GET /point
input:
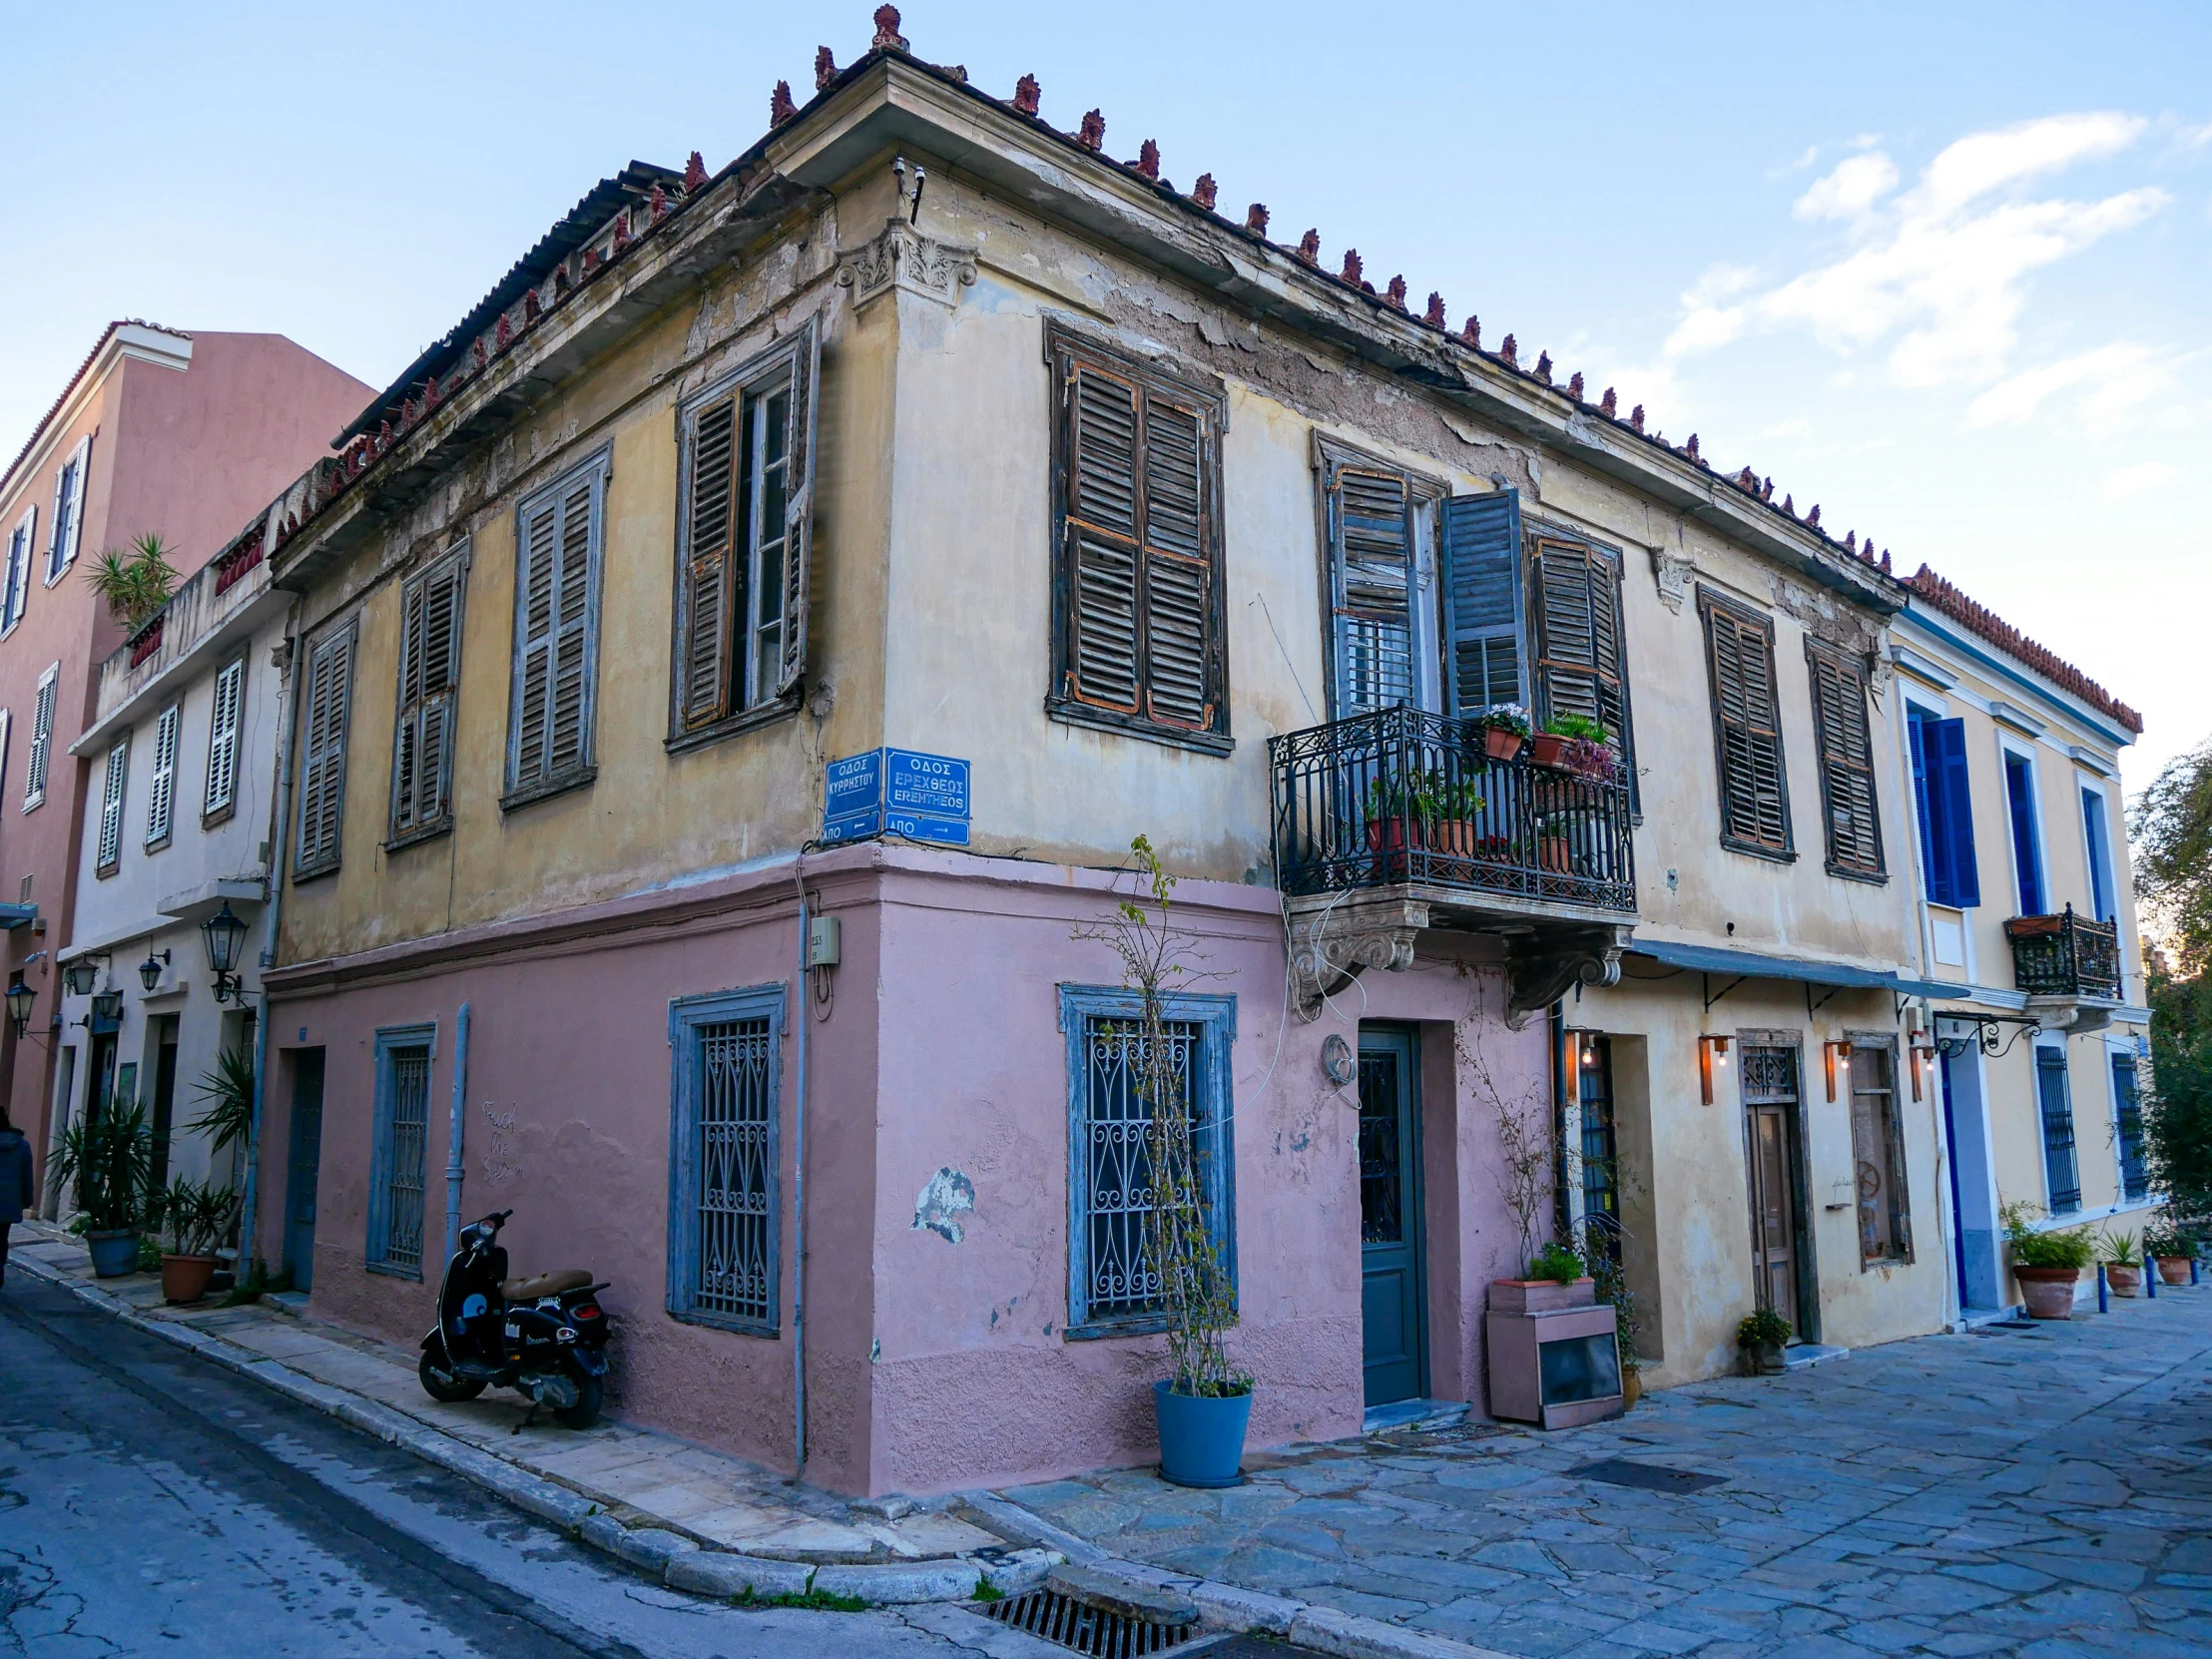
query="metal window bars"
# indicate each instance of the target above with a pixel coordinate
(409, 1131)
(731, 1266)
(1118, 1281)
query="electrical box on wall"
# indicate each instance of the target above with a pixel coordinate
(822, 941)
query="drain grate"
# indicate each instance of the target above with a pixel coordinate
(1650, 1478)
(1101, 1632)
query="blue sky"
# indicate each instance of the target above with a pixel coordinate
(1946, 273)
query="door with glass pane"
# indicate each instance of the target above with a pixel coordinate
(1393, 1308)
(1771, 1106)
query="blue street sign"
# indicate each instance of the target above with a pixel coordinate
(922, 797)
(856, 826)
(952, 830)
(932, 784)
(853, 785)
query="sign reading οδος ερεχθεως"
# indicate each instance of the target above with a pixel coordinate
(934, 786)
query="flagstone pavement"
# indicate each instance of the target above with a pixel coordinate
(2043, 1492)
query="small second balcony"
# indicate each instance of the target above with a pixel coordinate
(1392, 823)
(2070, 966)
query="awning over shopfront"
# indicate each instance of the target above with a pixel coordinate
(1806, 970)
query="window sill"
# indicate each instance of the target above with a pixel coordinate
(1069, 713)
(34, 806)
(222, 815)
(551, 787)
(1872, 877)
(314, 872)
(415, 838)
(390, 1271)
(1752, 849)
(161, 846)
(722, 1322)
(729, 726)
(1136, 1324)
(103, 871)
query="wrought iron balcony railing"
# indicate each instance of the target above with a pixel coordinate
(1401, 797)
(2065, 956)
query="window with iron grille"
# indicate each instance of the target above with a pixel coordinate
(2061, 1173)
(1845, 743)
(224, 717)
(1112, 1289)
(744, 534)
(110, 806)
(1139, 639)
(42, 738)
(724, 1169)
(430, 605)
(2128, 1128)
(1877, 1152)
(399, 1161)
(1376, 516)
(1747, 729)
(556, 636)
(161, 788)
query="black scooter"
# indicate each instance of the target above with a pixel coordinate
(545, 1337)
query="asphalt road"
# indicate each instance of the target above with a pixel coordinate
(154, 1505)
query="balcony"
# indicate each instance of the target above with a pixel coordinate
(2070, 966)
(1391, 824)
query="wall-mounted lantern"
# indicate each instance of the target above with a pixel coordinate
(150, 970)
(1712, 1058)
(224, 934)
(20, 998)
(78, 977)
(1837, 1056)
(107, 1005)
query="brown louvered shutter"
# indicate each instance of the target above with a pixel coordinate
(799, 509)
(1372, 566)
(329, 702)
(1102, 537)
(1581, 665)
(1755, 810)
(555, 577)
(1847, 763)
(1178, 610)
(429, 680)
(710, 535)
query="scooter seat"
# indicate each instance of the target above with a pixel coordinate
(546, 1284)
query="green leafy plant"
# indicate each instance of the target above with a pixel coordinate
(109, 1162)
(196, 1216)
(1429, 797)
(135, 584)
(229, 1091)
(813, 1601)
(987, 1591)
(1581, 727)
(2166, 1239)
(1556, 1261)
(2032, 1248)
(1765, 1328)
(149, 1253)
(2118, 1250)
(1505, 716)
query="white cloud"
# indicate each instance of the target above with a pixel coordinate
(2134, 481)
(2109, 387)
(1941, 270)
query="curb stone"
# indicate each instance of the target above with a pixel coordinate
(679, 1562)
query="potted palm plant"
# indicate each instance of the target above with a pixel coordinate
(2121, 1257)
(135, 584)
(2048, 1264)
(2171, 1247)
(1504, 727)
(197, 1219)
(1429, 811)
(108, 1162)
(1763, 1335)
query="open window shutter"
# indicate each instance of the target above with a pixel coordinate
(429, 670)
(1178, 598)
(1948, 780)
(223, 738)
(1371, 563)
(799, 508)
(711, 522)
(42, 740)
(1482, 587)
(57, 530)
(79, 465)
(1579, 668)
(1102, 548)
(161, 793)
(111, 803)
(1847, 763)
(540, 573)
(322, 769)
(1754, 803)
(19, 567)
(568, 720)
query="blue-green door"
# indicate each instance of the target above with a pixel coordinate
(303, 1166)
(1393, 1313)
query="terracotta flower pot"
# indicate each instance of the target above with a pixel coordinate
(1632, 1388)
(1391, 840)
(1547, 749)
(2049, 1292)
(1555, 852)
(2174, 1269)
(1500, 743)
(185, 1278)
(2124, 1278)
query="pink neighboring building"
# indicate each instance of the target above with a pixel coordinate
(160, 433)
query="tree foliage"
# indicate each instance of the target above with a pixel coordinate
(2171, 826)
(2177, 1105)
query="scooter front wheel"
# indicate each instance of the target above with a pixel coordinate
(585, 1411)
(446, 1386)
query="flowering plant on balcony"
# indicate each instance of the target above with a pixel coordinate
(1505, 716)
(1577, 744)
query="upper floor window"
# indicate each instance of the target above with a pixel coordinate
(1747, 729)
(225, 717)
(18, 577)
(745, 539)
(117, 774)
(67, 521)
(2096, 842)
(328, 706)
(42, 738)
(1485, 602)
(1943, 805)
(161, 788)
(429, 684)
(2028, 834)
(556, 639)
(1139, 639)
(1376, 516)
(1847, 800)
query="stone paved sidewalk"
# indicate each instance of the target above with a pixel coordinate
(2044, 1492)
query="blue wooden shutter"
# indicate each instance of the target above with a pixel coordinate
(1957, 828)
(2019, 791)
(2061, 1172)
(2100, 857)
(1482, 589)
(1370, 559)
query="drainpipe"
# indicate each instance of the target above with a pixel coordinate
(800, 1021)
(249, 1200)
(457, 1128)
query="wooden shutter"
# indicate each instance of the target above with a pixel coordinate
(1755, 807)
(223, 738)
(161, 792)
(80, 466)
(111, 803)
(556, 625)
(1847, 761)
(1141, 626)
(57, 532)
(1947, 812)
(710, 534)
(1370, 560)
(323, 753)
(799, 506)
(429, 684)
(1482, 590)
(42, 738)
(19, 567)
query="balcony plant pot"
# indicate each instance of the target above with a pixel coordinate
(2049, 1292)
(2124, 1278)
(186, 1277)
(1201, 1438)
(1502, 744)
(2173, 1269)
(1763, 1360)
(115, 1251)
(1555, 853)
(1391, 838)
(1548, 749)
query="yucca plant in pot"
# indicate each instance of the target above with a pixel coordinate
(195, 1221)
(135, 584)
(2121, 1257)
(2047, 1265)
(109, 1164)
(1203, 1405)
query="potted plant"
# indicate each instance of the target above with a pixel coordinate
(1555, 851)
(1428, 809)
(2047, 1265)
(1610, 1276)
(1573, 743)
(1203, 1406)
(1556, 1278)
(2121, 1257)
(135, 584)
(109, 1162)
(197, 1219)
(1504, 728)
(1763, 1335)
(2171, 1247)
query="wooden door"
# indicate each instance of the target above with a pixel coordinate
(1393, 1308)
(304, 1166)
(1770, 1081)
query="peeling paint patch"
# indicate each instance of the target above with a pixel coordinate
(943, 1198)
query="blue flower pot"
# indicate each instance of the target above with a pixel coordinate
(1201, 1440)
(113, 1254)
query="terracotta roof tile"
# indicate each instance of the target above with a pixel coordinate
(1986, 622)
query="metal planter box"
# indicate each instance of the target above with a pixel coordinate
(1554, 1354)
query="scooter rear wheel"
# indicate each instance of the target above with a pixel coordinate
(442, 1385)
(585, 1411)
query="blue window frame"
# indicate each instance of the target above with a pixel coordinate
(1110, 1293)
(2027, 837)
(1946, 809)
(2061, 1173)
(725, 1168)
(399, 1152)
(2100, 846)
(2127, 1125)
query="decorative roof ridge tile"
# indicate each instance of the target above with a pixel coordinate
(1979, 619)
